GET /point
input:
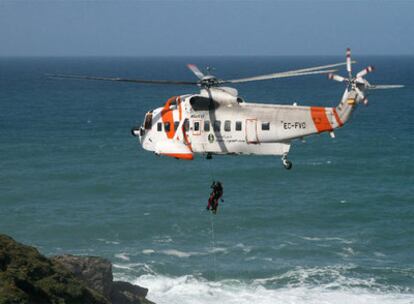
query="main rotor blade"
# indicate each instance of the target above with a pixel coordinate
(195, 70)
(321, 67)
(276, 75)
(385, 86)
(123, 79)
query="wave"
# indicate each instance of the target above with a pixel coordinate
(190, 289)
(327, 239)
(122, 256)
(329, 284)
(163, 239)
(121, 270)
(319, 163)
(148, 251)
(243, 247)
(108, 241)
(329, 277)
(185, 254)
(180, 254)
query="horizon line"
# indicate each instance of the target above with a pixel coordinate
(194, 56)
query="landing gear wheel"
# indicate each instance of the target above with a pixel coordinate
(209, 156)
(287, 164)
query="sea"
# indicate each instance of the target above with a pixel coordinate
(337, 228)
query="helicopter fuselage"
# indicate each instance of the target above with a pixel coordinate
(216, 121)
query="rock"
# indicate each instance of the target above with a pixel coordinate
(26, 276)
(127, 293)
(96, 272)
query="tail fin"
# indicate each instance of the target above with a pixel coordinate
(345, 108)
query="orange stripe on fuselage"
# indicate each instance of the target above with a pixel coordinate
(338, 120)
(320, 119)
(179, 108)
(167, 116)
(185, 156)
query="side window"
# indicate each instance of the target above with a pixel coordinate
(217, 125)
(167, 126)
(176, 123)
(206, 126)
(265, 126)
(159, 126)
(196, 126)
(227, 126)
(238, 125)
(186, 125)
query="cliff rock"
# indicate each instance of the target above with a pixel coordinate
(26, 276)
(96, 272)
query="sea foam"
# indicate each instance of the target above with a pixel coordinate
(192, 290)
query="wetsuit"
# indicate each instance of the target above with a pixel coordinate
(215, 196)
(211, 199)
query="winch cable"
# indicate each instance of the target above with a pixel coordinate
(212, 233)
(213, 247)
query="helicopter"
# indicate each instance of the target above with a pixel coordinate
(217, 121)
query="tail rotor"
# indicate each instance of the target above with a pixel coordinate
(365, 71)
(349, 63)
(359, 84)
(337, 78)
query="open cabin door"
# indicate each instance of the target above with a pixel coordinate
(251, 131)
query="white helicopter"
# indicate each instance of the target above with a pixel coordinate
(218, 121)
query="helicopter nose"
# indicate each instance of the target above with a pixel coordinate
(137, 131)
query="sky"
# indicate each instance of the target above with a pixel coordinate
(205, 28)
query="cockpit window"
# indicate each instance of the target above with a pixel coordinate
(176, 124)
(148, 121)
(159, 127)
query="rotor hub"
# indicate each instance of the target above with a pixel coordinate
(209, 81)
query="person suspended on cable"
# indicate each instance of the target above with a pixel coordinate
(218, 196)
(212, 195)
(215, 196)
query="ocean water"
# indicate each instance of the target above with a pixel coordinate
(337, 228)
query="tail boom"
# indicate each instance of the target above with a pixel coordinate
(328, 119)
(319, 119)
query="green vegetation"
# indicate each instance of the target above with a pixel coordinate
(28, 277)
